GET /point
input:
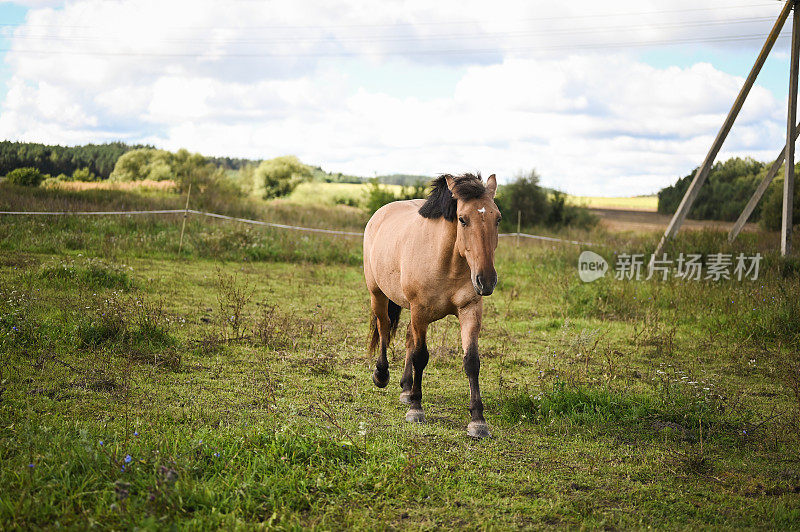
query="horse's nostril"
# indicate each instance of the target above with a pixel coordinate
(479, 280)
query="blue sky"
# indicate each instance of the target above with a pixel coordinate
(595, 99)
(9, 14)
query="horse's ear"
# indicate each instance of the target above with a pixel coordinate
(491, 185)
(451, 184)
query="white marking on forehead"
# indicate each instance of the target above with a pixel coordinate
(482, 210)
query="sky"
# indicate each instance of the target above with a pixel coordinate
(612, 98)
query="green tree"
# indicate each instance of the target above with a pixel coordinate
(772, 209)
(524, 195)
(26, 177)
(83, 174)
(281, 175)
(144, 163)
(723, 196)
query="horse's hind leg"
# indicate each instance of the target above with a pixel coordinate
(407, 379)
(380, 309)
(417, 354)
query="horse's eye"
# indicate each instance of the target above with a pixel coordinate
(462, 220)
(498, 221)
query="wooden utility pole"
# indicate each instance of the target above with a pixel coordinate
(788, 180)
(702, 172)
(762, 187)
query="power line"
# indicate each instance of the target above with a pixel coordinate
(418, 23)
(460, 51)
(407, 38)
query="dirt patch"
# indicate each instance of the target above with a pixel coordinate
(631, 220)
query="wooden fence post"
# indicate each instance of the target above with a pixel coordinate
(185, 214)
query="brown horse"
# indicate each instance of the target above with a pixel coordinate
(434, 257)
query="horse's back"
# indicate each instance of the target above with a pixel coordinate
(390, 221)
(384, 234)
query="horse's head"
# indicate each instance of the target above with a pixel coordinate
(476, 233)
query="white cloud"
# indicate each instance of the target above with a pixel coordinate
(259, 80)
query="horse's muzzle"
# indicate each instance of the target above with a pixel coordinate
(485, 286)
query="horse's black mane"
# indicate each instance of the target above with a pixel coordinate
(441, 203)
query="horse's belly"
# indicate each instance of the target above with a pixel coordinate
(394, 292)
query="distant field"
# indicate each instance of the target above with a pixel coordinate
(166, 185)
(333, 193)
(636, 203)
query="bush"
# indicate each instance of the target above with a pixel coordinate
(538, 207)
(562, 214)
(281, 175)
(83, 174)
(379, 195)
(144, 163)
(524, 195)
(26, 177)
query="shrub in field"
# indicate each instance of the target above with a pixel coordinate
(281, 175)
(524, 195)
(379, 195)
(26, 177)
(84, 174)
(538, 207)
(560, 213)
(143, 163)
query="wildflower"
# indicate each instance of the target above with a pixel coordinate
(31, 465)
(216, 454)
(128, 458)
(101, 442)
(135, 433)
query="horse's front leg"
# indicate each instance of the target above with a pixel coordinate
(470, 319)
(417, 356)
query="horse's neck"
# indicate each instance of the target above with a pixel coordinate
(450, 259)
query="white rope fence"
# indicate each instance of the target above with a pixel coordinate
(258, 222)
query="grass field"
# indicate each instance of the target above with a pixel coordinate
(634, 203)
(229, 386)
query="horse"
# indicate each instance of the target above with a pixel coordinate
(434, 257)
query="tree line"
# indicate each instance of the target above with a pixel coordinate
(728, 188)
(92, 160)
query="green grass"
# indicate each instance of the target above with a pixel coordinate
(238, 384)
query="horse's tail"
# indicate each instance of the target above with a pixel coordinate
(394, 320)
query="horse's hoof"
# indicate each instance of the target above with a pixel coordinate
(405, 398)
(478, 429)
(415, 415)
(380, 380)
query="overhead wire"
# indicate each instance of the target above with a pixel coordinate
(422, 42)
(405, 38)
(604, 14)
